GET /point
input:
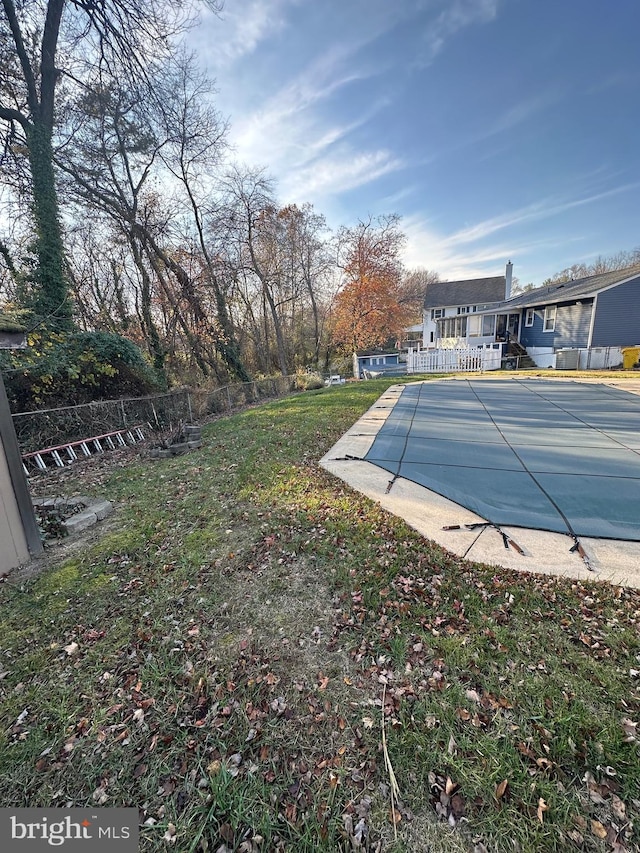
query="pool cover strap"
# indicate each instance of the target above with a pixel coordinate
(550, 455)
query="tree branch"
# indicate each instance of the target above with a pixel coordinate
(27, 70)
(9, 114)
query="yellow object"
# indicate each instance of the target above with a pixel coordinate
(630, 357)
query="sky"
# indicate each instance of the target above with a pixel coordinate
(497, 129)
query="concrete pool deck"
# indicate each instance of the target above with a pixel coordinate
(611, 560)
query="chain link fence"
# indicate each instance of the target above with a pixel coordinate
(160, 412)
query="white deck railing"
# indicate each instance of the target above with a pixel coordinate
(455, 360)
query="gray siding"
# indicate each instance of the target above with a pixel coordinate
(378, 360)
(18, 529)
(13, 543)
(617, 322)
(572, 327)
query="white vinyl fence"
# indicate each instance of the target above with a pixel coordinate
(456, 360)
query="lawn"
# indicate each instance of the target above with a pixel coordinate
(254, 655)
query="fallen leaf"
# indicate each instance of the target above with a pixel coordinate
(394, 817)
(170, 834)
(501, 789)
(279, 705)
(72, 649)
(598, 829)
(542, 808)
(618, 807)
(457, 805)
(450, 786)
(100, 795)
(226, 833)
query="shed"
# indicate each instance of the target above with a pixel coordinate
(19, 535)
(377, 361)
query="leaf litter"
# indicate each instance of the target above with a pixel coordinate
(281, 677)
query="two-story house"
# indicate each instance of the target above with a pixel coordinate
(598, 311)
(467, 311)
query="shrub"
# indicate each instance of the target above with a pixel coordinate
(308, 381)
(60, 369)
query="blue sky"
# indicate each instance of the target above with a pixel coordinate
(497, 129)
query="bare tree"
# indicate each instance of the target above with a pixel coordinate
(197, 144)
(253, 222)
(621, 260)
(414, 287)
(48, 50)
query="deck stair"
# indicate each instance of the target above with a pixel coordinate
(515, 351)
(65, 454)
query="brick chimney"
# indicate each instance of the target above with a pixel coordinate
(508, 277)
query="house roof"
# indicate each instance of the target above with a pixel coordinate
(569, 290)
(474, 291)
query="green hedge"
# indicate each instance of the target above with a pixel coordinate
(60, 369)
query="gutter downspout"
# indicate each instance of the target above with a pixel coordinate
(592, 322)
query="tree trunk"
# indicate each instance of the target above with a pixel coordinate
(150, 330)
(50, 298)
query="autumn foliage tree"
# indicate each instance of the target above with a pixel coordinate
(371, 308)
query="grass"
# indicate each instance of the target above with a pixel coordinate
(218, 658)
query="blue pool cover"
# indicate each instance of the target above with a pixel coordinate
(559, 456)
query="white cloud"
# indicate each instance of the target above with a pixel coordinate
(238, 30)
(543, 209)
(456, 15)
(466, 253)
(309, 154)
(337, 173)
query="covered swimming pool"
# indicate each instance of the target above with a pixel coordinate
(556, 456)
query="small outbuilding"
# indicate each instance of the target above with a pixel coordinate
(19, 535)
(376, 361)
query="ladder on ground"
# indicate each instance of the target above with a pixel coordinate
(65, 454)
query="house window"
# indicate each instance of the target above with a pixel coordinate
(550, 318)
(474, 326)
(437, 313)
(489, 324)
(463, 309)
(453, 327)
(528, 320)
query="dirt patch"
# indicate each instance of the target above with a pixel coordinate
(58, 550)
